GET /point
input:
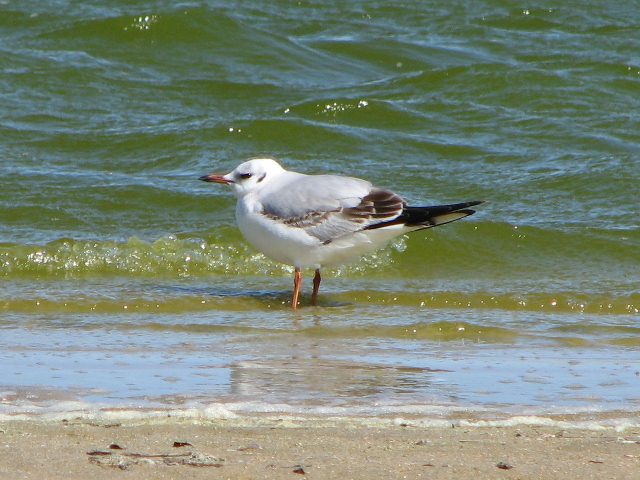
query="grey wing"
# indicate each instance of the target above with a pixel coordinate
(329, 207)
(298, 195)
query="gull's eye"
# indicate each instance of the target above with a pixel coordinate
(244, 176)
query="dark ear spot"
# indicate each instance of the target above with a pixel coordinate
(261, 177)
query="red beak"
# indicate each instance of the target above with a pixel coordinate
(215, 178)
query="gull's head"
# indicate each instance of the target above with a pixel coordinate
(249, 176)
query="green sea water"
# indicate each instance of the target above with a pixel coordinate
(110, 111)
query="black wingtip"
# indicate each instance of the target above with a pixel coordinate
(452, 207)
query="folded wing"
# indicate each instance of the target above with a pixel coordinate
(328, 207)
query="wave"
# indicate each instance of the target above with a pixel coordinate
(238, 301)
(467, 250)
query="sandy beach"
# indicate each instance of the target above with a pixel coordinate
(311, 449)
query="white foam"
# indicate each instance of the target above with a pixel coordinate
(421, 416)
(87, 412)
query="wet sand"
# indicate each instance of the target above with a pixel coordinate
(310, 449)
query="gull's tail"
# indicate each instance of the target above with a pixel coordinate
(436, 215)
(426, 217)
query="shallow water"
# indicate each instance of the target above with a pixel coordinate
(127, 284)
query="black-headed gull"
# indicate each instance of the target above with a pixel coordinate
(321, 220)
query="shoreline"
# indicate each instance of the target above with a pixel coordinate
(238, 415)
(271, 448)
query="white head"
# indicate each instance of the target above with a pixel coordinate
(248, 176)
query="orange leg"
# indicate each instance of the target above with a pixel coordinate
(297, 281)
(316, 287)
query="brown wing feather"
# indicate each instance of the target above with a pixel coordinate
(377, 206)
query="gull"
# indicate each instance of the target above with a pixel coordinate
(315, 221)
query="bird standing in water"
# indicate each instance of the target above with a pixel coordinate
(314, 221)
